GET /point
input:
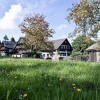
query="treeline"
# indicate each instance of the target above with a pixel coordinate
(5, 38)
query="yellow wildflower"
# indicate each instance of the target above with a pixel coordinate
(25, 95)
(60, 79)
(79, 90)
(25, 74)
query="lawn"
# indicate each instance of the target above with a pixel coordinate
(31, 79)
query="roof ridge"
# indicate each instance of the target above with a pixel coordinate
(59, 39)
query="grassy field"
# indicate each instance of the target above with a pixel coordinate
(29, 79)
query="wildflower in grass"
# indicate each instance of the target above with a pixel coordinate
(21, 97)
(79, 90)
(25, 95)
(60, 79)
(15, 77)
(74, 84)
(74, 87)
(25, 75)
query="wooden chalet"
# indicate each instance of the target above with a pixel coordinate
(62, 49)
(6, 48)
(20, 50)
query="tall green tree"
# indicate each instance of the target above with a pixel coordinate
(80, 44)
(5, 38)
(37, 33)
(86, 16)
(13, 39)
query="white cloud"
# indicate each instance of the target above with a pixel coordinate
(8, 21)
(35, 6)
(62, 27)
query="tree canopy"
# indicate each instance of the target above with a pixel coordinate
(80, 44)
(5, 38)
(86, 16)
(13, 39)
(37, 33)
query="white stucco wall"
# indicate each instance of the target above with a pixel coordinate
(20, 55)
(3, 54)
(45, 55)
(55, 55)
(16, 55)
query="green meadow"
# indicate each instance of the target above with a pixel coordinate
(34, 79)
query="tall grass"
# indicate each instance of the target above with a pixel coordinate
(31, 79)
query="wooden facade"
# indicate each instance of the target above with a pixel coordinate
(94, 52)
(6, 48)
(92, 56)
(62, 49)
(20, 50)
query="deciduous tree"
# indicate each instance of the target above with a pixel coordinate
(5, 38)
(80, 44)
(37, 33)
(86, 16)
(13, 39)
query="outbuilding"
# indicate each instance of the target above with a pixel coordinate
(94, 52)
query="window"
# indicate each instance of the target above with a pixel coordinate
(63, 54)
(43, 55)
(63, 46)
(10, 50)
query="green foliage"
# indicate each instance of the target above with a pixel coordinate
(80, 44)
(31, 79)
(5, 38)
(37, 32)
(86, 16)
(13, 39)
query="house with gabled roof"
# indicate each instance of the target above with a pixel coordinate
(62, 49)
(6, 48)
(20, 50)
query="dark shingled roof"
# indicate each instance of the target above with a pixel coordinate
(57, 43)
(95, 47)
(9, 44)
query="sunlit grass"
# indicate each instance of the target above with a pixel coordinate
(35, 79)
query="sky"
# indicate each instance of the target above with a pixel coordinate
(13, 12)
